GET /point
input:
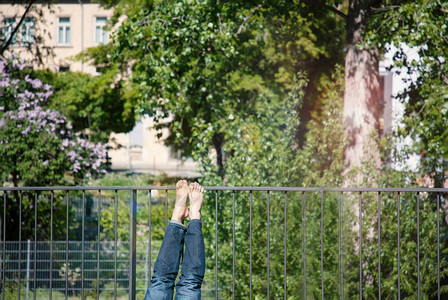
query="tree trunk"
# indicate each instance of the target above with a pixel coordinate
(217, 143)
(362, 96)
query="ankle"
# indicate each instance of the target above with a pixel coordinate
(179, 214)
(195, 215)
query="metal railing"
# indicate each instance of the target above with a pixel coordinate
(267, 242)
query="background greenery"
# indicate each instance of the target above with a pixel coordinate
(256, 92)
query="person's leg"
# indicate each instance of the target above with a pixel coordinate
(193, 262)
(167, 263)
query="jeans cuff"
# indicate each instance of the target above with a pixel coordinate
(177, 223)
(194, 225)
(195, 221)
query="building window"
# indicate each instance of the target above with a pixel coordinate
(101, 34)
(63, 69)
(8, 28)
(64, 31)
(175, 153)
(99, 70)
(28, 31)
(136, 136)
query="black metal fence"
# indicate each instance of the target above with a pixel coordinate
(261, 242)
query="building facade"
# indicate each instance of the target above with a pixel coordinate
(65, 29)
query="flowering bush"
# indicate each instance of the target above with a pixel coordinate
(37, 144)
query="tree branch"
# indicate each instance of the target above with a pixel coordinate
(9, 41)
(240, 29)
(378, 10)
(327, 7)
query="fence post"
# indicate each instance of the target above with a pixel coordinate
(146, 265)
(132, 244)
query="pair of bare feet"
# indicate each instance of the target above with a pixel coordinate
(195, 192)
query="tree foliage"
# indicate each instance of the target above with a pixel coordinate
(418, 31)
(204, 63)
(95, 105)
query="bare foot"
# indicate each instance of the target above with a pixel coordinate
(196, 199)
(180, 211)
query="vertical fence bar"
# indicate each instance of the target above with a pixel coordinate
(51, 244)
(360, 244)
(285, 228)
(438, 246)
(132, 236)
(166, 209)
(250, 245)
(4, 245)
(115, 241)
(322, 243)
(216, 245)
(304, 243)
(379, 245)
(2, 265)
(149, 235)
(233, 245)
(341, 288)
(66, 243)
(20, 245)
(35, 246)
(418, 246)
(98, 247)
(28, 250)
(82, 242)
(398, 245)
(269, 244)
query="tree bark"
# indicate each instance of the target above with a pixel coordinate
(362, 95)
(217, 144)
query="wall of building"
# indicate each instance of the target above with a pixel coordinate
(83, 18)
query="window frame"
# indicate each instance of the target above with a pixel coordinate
(64, 32)
(10, 27)
(28, 27)
(104, 34)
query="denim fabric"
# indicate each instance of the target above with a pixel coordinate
(193, 264)
(167, 264)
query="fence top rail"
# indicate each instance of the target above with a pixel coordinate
(227, 188)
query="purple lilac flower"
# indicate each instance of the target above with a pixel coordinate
(76, 167)
(72, 155)
(26, 131)
(2, 66)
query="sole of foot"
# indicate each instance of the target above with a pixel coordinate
(180, 207)
(196, 200)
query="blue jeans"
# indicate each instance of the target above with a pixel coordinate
(167, 264)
